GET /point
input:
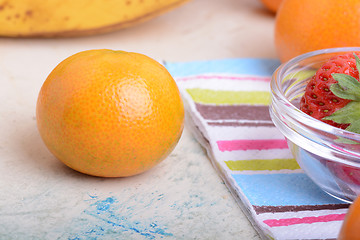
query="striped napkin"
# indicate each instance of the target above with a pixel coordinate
(227, 106)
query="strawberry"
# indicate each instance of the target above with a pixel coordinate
(333, 96)
(352, 173)
(319, 100)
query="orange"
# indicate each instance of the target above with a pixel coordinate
(110, 113)
(306, 25)
(272, 5)
(351, 225)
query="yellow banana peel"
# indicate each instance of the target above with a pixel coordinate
(67, 18)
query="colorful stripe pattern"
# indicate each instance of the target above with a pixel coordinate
(228, 104)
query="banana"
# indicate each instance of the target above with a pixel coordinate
(69, 18)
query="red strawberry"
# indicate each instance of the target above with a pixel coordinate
(319, 101)
(347, 178)
(353, 174)
(333, 96)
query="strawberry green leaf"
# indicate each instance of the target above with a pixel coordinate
(348, 114)
(357, 60)
(347, 87)
(354, 126)
(345, 141)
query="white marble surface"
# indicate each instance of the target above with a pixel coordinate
(181, 198)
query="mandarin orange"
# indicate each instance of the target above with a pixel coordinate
(351, 225)
(305, 25)
(272, 5)
(110, 113)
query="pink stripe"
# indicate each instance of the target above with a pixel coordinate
(306, 220)
(259, 144)
(343, 150)
(252, 78)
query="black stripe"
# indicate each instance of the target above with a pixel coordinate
(293, 208)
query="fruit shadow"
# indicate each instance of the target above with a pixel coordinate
(257, 8)
(33, 153)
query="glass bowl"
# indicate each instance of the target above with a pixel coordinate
(329, 156)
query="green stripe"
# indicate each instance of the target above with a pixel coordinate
(207, 96)
(300, 75)
(261, 164)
